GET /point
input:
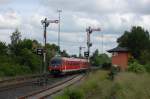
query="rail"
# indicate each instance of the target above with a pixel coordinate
(8, 83)
(41, 94)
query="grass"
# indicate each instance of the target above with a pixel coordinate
(133, 86)
(97, 86)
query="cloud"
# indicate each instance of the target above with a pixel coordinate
(4, 1)
(111, 38)
(10, 20)
(85, 22)
(144, 22)
(100, 6)
(112, 16)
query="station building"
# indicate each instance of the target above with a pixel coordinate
(120, 57)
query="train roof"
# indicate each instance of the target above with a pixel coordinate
(68, 59)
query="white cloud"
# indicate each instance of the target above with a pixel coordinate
(85, 22)
(112, 16)
(100, 6)
(10, 20)
(111, 38)
(4, 1)
(145, 22)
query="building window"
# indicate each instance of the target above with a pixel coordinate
(115, 54)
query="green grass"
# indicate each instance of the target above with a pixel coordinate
(133, 86)
(97, 86)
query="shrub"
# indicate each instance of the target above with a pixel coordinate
(74, 93)
(106, 66)
(136, 67)
(9, 69)
(147, 67)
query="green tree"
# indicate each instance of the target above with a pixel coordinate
(74, 55)
(15, 37)
(31, 60)
(95, 58)
(99, 59)
(26, 43)
(3, 48)
(64, 53)
(52, 49)
(137, 40)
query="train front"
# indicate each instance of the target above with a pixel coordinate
(55, 65)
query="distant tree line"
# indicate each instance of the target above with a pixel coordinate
(20, 57)
(100, 59)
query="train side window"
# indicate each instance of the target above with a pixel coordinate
(70, 63)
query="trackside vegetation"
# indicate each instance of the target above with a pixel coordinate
(137, 40)
(131, 84)
(20, 57)
(126, 85)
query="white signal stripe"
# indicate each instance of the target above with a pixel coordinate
(69, 70)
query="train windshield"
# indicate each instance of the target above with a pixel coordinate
(55, 62)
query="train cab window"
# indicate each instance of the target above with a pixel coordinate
(55, 62)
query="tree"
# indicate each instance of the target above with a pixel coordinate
(25, 43)
(99, 59)
(3, 48)
(137, 40)
(64, 53)
(15, 37)
(145, 57)
(74, 56)
(52, 49)
(95, 59)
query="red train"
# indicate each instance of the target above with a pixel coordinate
(61, 65)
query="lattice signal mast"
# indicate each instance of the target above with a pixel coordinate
(45, 24)
(89, 31)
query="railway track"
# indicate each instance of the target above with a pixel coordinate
(20, 86)
(18, 81)
(41, 94)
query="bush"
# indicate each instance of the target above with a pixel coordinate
(88, 88)
(126, 85)
(147, 67)
(71, 94)
(8, 69)
(74, 94)
(136, 67)
(106, 66)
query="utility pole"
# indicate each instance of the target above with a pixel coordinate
(80, 49)
(59, 11)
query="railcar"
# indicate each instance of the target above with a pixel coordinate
(63, 65)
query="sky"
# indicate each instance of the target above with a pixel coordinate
(112, 16)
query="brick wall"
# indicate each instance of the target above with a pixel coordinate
(120, 59)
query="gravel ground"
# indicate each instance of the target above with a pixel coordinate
(21, 91)
(61, 92)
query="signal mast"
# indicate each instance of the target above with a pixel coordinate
(89, 31)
